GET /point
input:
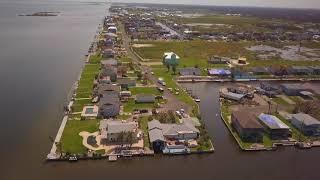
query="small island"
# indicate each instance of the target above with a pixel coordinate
(42, 14)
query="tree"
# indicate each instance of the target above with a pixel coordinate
(168, 67)
(121, 138)
(174, 69)
(130, 139)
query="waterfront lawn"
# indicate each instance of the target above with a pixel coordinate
(71, 140)
(168, 77)
(144, 90)
(84, 89)
(79, 104)
(143, 125)
(95, 59)
(131, 105)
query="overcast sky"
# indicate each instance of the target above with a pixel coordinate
(264, 3)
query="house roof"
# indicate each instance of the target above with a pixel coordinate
(246, 119)
(172, 129)
(125, 81)
(111, 62)
(168, 55)
(306, 119)
(105, 88)
(156, 135)
(145, 98)
(190, 71)
(108, 71)
(119, 126)
(219, 72)
(116, 126)
(272, 122)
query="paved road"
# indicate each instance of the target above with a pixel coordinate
(173, 103)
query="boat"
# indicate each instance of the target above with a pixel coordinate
(73, 158)
(197, 99)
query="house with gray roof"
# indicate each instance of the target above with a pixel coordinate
(109, 62)
(190, 71)
(293, 89)
(104, 89)
(145, 98)
(110, 130)
(109, 106)
(307, 124)
(274, 126)
(108, 73)
(126, 83)
(159, 133)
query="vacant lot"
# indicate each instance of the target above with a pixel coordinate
(71, 140)
(86, 81)
(198, 52)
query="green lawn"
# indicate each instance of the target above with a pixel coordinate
(79, 104)
(144, 90)
(131, 105)
(143, 125)
(71, 140)
(197, 52)
(86, 81)
(95, 59)
(280, 101)
(192, 53)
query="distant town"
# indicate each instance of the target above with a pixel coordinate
(130, 99)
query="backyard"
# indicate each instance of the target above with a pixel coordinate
(71, 140)
(85, 86)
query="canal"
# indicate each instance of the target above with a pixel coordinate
(40, 60)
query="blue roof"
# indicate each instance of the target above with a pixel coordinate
(272, 122)
(219, 72)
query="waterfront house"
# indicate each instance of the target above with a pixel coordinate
(109, 106)
(103, 89)
(274, 126)
(160, 133)
(315, 70)
(268, 89)
(307, 124)
(111, 130)
(109, 62)
(190, 71)
(145, 98)
(293, 89)
(112, 29)
(300, 70)
(171, 58)
(126, 83)
(219, 72)
(224, 93)
(108, 53)
(108, 73)
(218, 60)
(247, 126)
(260, 71)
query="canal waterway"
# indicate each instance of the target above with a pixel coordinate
(41, 57)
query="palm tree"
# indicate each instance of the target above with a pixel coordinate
(130, 138)
(121, 138)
